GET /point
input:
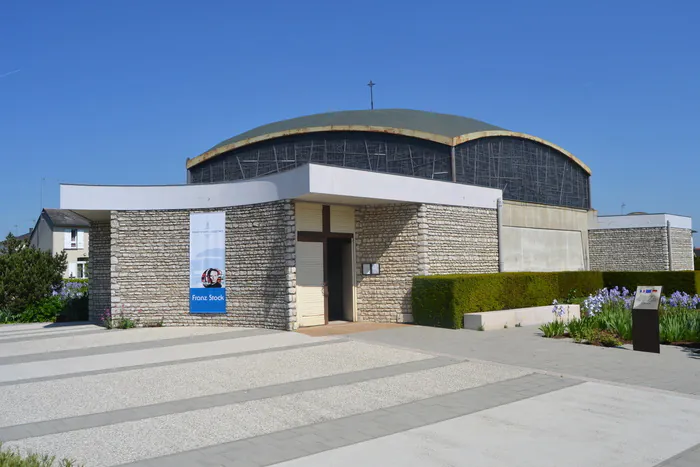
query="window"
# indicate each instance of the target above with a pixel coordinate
(81, 271)
(74, 238)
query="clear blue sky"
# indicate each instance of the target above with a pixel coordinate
(124, 92)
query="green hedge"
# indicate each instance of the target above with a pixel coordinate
(579, 283)
(671, 281)
(442, 300)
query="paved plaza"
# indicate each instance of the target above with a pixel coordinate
(395, 395)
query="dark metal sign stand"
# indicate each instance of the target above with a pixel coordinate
(645, 319)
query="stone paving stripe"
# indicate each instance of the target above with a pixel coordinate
(688, 458)
(173, 362)
(306, 440)
(48, 427)
(142, 345)
(45, 337)
(7, 329)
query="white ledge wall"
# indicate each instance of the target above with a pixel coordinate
(638, 221)
(309, 181)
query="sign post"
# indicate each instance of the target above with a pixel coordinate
(645, 319)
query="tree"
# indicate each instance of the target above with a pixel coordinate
(27, 275)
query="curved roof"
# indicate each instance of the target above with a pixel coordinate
(446, 129)
(446, 125)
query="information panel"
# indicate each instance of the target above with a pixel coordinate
(207, 262)
(647, 297)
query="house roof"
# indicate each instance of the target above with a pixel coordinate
(65, 218)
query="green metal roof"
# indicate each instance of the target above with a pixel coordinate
(417, 120)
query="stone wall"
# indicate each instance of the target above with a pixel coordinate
(408, 240)
(150, 267)
(99, 290)
(461, 240)
(387, 235)
(681, 249)
(638, 249)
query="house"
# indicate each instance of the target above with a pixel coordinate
(59, 230)
(23, 237)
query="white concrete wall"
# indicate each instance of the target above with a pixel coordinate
(544, 238)
(542, 250)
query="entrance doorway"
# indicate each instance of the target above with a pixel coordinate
(340, 279)
(325, 263)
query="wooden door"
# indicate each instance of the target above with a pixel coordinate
(310, 287)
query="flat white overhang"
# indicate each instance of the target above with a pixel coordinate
(640, 221)
(314, 183)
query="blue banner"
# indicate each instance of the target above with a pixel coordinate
(207, 262)
(207, 300)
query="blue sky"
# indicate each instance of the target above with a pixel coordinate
(124, 92)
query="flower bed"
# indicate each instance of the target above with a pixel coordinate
(606, 319)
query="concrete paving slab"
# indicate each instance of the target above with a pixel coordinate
(107, 337)
(675, 369)
(30, 327)
(131, 388)
(47, 332)
(241, 342)
(584, 425)
(126, 442)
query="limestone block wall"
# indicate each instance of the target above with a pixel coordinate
(410, 239)
(99, 285)
(461, 240)
(150, 267)
(634, 249)
(681, 249)
(387, 235)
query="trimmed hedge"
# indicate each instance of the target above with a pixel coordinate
(671, 281)
(579, 283)
(442, 301)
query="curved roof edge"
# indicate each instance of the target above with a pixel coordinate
(446, 140)
(486, 134)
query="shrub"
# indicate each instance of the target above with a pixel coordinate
(27, 275)
(433, 302)
(681, 324)
(696, 262)
(12, 458)
(124, 323)
(604, 338)
(573, 284)
(671, 281)
(442, 300)
(46, 310)
(580, 329)
(74, 293)
(554, 329)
